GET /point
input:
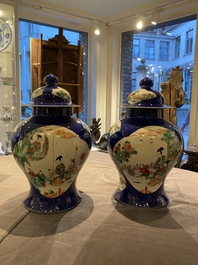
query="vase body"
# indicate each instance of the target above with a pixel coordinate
(51, 147)
(144, 147)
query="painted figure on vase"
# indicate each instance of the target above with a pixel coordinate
(144, 147)
(51, 147)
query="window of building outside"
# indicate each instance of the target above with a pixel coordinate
(169, 45)
(149, 49)
(164, 50)
(30, 30)
(189, 41)
(136, 48)
(177, 46)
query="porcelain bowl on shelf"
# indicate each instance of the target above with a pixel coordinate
(7, 81)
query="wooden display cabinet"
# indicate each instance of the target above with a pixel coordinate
(58, 57)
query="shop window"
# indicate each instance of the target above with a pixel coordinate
(29, 29)
(168, 41)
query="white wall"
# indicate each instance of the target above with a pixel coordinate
(97, 75)
(104, 76)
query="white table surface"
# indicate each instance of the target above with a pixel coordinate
(99, 231)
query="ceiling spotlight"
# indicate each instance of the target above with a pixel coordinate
(97, 27)
(153, 22)
(139, 24)
(155, 17)
(97, 31)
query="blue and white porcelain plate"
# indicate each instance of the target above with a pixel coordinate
(5, 34)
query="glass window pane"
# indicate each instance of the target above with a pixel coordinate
(177, 47)
(164, 50)
(169, 45)
(136, 48)
(149, 49)
(28, 30)
(189, 41)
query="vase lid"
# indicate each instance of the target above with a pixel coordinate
(145, 97)
(51, 95)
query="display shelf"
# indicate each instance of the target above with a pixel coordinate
(6, 130)
(8, 89)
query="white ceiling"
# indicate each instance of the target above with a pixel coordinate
(106, 11)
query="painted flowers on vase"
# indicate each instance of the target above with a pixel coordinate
(51, 147)
(144, 148)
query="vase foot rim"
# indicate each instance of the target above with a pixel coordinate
(156, 201)
(44, 206)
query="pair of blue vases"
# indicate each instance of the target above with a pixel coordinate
(51, 147)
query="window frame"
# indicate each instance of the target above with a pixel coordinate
(149, 50)
(136, 47)
(177, 50)
(164, 56)
(189, 41)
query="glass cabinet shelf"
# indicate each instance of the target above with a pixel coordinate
(8, 88)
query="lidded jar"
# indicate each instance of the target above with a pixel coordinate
(144, 147)
(51, 147)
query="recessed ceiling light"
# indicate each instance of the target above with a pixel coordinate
(139, 24)
(97, 31)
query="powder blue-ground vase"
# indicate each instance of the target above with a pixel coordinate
(144, 147)
(51, 147)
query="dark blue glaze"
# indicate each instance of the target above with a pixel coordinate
(49, 98)
(34, 122)
(48, 110)
(130, 125)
